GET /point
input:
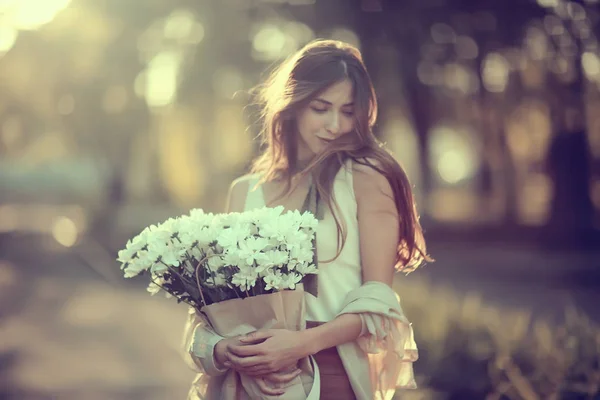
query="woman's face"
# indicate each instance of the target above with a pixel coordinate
(325, 118)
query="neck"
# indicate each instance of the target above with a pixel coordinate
(302, 163)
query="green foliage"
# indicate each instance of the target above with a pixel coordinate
(468, 350)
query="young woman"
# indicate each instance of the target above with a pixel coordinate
(319, 108)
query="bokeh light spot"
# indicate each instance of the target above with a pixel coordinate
(495, 72)
(64, 231)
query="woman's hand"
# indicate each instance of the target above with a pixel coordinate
(221, 350)
(264, 352)
(269, 384)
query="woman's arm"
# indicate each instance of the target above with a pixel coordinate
(199, 343)
(379, 237)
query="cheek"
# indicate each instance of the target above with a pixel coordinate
(347, 125)
(311, 124)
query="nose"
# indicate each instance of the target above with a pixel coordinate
(333, 125)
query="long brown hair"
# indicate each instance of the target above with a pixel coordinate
(289, 88)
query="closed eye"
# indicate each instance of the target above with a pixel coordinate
(322, 111)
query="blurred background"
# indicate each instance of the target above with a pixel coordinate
(117, 114)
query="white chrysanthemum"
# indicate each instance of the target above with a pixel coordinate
(291, 219)
(166, 253)
(233, 258)
(215, 262)
(198, 215)
(273, 258)
(155, 285)
(251, 249)
(231, 237)
(196, 253)
(273, 280)
(264, 214)
(188, 232)
(217, 280)
(155, 233)
(306, 269)
(159, 268)
(261, 243)
(171, 225)
(136, 266)
(133, 246)
(290, 281)
(245, 278)
(229, 219)
(308, 221)
(277, 229)
(298, 238)
(207, 235)
(301, 253)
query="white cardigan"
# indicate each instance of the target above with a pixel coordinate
(381, 359)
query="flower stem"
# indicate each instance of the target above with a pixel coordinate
(198, 279)
(163, 288)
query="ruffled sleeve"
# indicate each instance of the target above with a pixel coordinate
(199, 342)
(393, 341)
(387, 338)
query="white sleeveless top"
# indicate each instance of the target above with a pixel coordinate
(339, 277)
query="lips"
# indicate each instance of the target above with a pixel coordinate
(325, 140)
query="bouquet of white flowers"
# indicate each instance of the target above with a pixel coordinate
(239, 270)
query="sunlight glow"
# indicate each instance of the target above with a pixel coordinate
(452, 167)
(269, 42)
(459, 77)
(536, 43)
(302, 33)
(591, 65)
(182, 26)
(31, 14)
(452, 154)
(8, 37)
(345, 35)
(548, 3)
(162, 79)
(495, 72)
(430, 74)
(227, 81)
(64, 231)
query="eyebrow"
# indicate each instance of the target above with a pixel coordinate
(330, 103)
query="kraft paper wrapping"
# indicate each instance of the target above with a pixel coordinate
(280, 310)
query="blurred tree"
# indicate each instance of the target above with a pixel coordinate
(126, 85)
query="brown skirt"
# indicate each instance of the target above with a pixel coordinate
(335, 384)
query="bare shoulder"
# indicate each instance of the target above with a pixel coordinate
(368, 182)
(237, 193)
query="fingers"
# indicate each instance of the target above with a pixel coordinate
(245, 350)
(241, 363)
(256, 337)
(268, 389)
